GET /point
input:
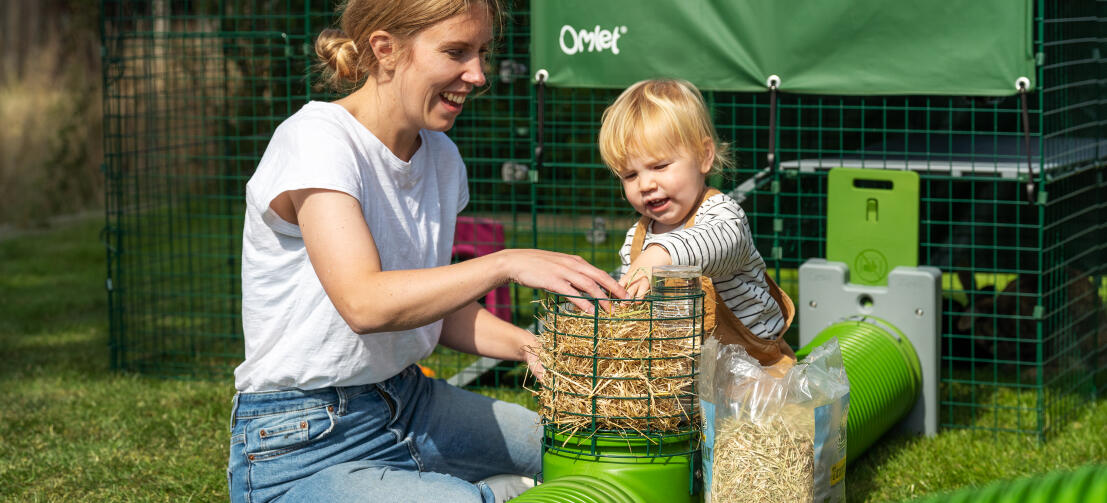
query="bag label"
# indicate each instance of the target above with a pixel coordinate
(707, 410)
(830, 450)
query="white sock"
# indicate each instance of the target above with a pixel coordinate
(506, 486)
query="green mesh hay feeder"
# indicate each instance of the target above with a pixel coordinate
(619, 398)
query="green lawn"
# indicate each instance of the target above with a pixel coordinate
(71, 430)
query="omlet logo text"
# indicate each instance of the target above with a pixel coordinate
(596, 40)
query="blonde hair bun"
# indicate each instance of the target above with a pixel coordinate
(338, 53)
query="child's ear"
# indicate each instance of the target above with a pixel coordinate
(708, 158)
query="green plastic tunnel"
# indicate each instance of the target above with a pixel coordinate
(885, 377)
(579, 489)
(1086, 484)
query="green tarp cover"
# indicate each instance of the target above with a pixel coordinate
(852, 47)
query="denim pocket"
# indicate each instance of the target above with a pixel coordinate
(274, 435)
(390, 402)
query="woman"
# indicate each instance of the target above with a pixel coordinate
(349, 225)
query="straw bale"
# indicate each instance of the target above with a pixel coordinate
(619, 370)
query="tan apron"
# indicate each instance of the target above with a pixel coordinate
(727, 328)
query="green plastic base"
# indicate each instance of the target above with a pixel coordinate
(625, 469)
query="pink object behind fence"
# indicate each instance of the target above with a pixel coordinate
(475, 237)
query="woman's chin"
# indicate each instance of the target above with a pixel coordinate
(441, 125)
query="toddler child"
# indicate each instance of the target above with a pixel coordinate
(659, 140)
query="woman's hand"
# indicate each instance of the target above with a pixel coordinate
(535, 363)
(639, 274)
(561, 273)
(474, 330)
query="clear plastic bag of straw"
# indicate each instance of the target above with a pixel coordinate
(768, 438)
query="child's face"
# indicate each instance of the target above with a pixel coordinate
(667, 189)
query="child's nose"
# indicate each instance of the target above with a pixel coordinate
(646, 183)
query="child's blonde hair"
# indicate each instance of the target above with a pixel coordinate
(654, 118)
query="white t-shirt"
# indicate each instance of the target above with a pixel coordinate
(720, 243)
(295, 337)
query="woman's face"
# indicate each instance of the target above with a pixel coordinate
(444, 65)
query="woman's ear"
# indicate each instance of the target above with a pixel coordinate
(708, 152)
(383, 45)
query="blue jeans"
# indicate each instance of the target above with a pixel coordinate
(409, 438)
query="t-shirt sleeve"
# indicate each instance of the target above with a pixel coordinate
(318, 155)
(307, 154)
(718, 242)
(462, 187)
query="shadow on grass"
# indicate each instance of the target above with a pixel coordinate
(80, 350)
(862, 475)
(53, 308)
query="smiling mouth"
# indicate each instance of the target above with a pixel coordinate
(454, 99)
(656, 203)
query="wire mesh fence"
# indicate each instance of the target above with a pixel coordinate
(194, 89)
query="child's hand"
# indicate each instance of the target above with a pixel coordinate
(781, 367)
(637, 279)
(637, 282)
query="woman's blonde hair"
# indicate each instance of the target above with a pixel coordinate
(345, 56)
(654, 118)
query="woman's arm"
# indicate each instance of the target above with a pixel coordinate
(344, 255)
(498, 338)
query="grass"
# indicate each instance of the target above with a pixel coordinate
(901, 467)
(72, 430)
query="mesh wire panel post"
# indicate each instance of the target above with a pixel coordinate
(1015, 232)
(192, 92)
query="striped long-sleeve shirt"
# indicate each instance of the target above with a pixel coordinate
(720, 243)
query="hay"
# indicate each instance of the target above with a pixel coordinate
(765, 461)
(617, 370)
